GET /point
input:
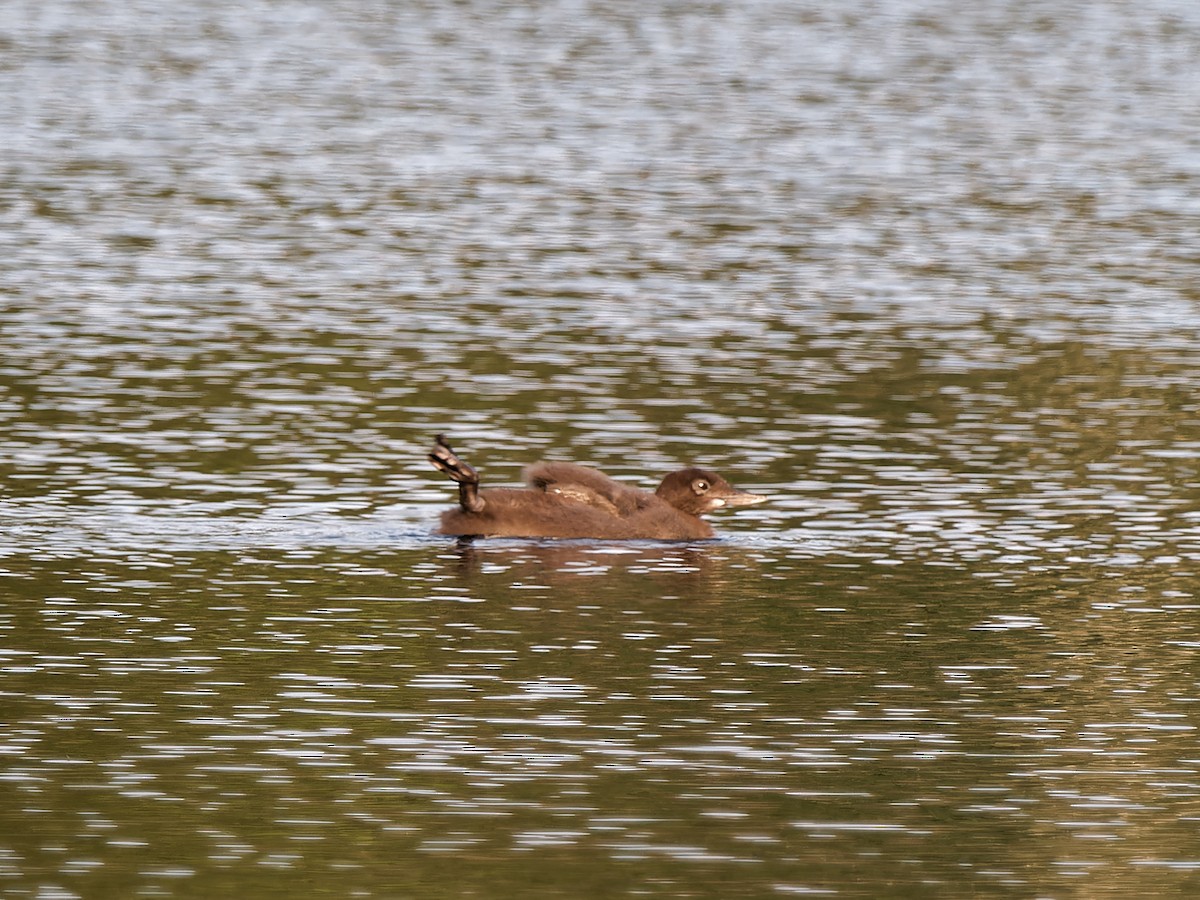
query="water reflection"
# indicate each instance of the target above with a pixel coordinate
(518, 700)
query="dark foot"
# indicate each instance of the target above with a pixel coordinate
(468, 479)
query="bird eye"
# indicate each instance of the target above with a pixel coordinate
(700, 486)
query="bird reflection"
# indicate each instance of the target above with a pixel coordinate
(647, 570)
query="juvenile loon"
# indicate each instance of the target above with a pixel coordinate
(564, 500)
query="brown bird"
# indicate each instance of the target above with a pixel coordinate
(564, 500)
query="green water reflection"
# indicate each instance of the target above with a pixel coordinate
(713, 720)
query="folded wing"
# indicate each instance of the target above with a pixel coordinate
(579, 484)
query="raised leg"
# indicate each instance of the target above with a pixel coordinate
(466, 476)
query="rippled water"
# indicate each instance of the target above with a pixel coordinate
(925, 272)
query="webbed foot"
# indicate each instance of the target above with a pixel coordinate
(444, 458)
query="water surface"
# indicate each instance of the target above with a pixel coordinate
(925, 274)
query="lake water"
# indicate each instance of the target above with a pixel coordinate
(925, 272)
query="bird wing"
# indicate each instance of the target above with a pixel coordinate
(580, 484)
